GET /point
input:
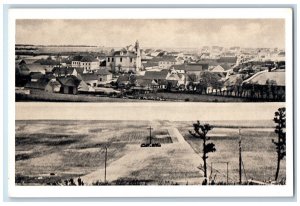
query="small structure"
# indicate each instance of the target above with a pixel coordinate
(90, 79)
(69, 84)
(104, 76)
(45, 84)
(53, 86)
(35, 76)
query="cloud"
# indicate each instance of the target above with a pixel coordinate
(154, 33)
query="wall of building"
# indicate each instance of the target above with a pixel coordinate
(127, 63)
(165, 64)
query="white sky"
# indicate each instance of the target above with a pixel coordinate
(153, 33)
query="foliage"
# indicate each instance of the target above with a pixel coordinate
(280, 120)
(48, 61)
(200, 131)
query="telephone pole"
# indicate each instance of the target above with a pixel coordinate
(150, 128)
(240, 157)
(227, 173)
(105, 164)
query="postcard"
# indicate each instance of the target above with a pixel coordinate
(151, 102)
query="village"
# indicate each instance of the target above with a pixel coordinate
(209, 73)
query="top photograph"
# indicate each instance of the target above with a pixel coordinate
(150, 60)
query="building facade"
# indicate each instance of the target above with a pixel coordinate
(125, 60)
(88, 63)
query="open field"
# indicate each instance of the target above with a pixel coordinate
(69, 149)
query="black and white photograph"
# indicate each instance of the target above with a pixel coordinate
(190, 60)
(150, 150)
(153, 101)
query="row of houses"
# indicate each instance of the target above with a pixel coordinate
(68, 80)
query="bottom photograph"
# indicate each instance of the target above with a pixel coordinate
(151, 152)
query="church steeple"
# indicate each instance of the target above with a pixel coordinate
(137, 46)
(138, 56)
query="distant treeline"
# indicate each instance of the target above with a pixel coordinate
(31, 53)
(36, 53)
(54, 45)
(24, 45)
(26, 48)
(66, 46)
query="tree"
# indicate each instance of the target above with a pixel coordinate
(200, 131)
(132, 79)
(237, 86)
(279, 119)
(211, 79)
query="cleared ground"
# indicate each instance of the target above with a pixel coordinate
(70, 149)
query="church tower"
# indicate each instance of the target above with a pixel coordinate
(138, 56)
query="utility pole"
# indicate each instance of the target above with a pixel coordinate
(211, 169)
(150, 128)
(105, 164)
(240, 157)
(227, 173)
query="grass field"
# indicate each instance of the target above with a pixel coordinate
(69, 149)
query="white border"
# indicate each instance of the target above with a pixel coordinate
(150, 191)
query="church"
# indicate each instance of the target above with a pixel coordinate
(125, 60)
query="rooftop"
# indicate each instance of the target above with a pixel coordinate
(156, 74)
(262, 78)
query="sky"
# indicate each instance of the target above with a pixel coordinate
(184, 33)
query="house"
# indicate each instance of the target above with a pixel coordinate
(157, 75)
(88, 63)
(166, 62)
(226, 59)
(49, 75)
(69, 84)
(179, 60)
(144, 85)
(165, 78)
(176, 79)
(39, 68)
(280, 56)
(104, 76)
(90, 79)
(218, 69)
(150, 65)
(53, 86)
(126, 59)
(20, 62)
(195, 69)
(35, 76)
(222, 70)
(123, 80)
(45, 84)
(39, 84)
(67, 71)
(262, 78)
(21, 68)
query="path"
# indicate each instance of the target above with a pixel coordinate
(176, 162)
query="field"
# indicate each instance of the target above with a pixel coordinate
(49, 152)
